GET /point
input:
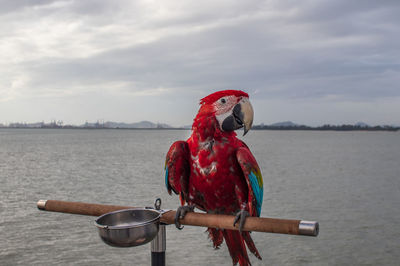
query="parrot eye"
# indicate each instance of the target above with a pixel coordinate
(223, 100)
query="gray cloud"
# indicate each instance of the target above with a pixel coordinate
(331, 51)
(17, 5)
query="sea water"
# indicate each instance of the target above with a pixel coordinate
(348, 181)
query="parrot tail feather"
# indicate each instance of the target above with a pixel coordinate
(216, 237)
(236, 247)
(182, 199)
(250, 244)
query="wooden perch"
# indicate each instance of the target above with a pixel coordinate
(269, 225)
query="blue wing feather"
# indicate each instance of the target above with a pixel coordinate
(166, 177)
(258, 190)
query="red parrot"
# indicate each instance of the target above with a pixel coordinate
(215, 172)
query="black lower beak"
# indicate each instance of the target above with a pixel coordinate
(238, 115)
(235, 120)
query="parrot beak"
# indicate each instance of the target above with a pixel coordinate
(242, 116)
(248, 114)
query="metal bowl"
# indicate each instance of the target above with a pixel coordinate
(128, 228)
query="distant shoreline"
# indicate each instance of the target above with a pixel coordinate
(329, 128)
(148, 125)
(258, 128)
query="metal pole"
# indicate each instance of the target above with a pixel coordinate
(158, 245)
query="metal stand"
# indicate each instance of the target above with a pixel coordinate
(158, 248)
(158, 245)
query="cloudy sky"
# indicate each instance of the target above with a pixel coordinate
(311, 62)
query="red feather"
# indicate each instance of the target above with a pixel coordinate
(178, 169)
(248, 164)
(216, 95)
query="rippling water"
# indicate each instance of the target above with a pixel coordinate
(348, 181)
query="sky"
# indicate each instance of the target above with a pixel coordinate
(310, 62)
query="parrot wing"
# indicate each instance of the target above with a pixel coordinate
(254, 179)
(177, 169)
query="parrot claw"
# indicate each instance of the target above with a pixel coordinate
(180, 214)
(241, 215)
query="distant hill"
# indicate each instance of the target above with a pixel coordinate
(141, 124)
(361, 124)
(284, 124)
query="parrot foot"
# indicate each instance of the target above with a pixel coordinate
(180, 214)
(241, 215)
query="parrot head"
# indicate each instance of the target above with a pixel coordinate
(231, 108)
